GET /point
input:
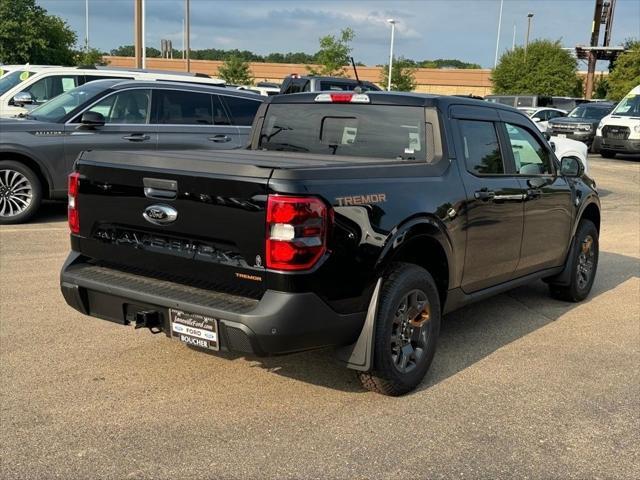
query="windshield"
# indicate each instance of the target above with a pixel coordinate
(58, 107)
(629, 106)
(392, 132)
(583, 111)
(10, 80)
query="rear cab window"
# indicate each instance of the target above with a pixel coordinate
(379, 131)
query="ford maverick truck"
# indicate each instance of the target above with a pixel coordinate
(352, 220)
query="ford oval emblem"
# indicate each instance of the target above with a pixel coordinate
(160, 214)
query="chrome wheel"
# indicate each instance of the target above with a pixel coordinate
(16, 193)
(409, 331)
(586, 262)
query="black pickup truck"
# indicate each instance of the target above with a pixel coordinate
(352, 220)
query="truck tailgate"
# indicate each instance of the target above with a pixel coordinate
(126, 202)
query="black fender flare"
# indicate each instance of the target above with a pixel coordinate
(422, 225)
(591, 199)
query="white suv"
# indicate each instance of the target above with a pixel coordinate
(23, 90)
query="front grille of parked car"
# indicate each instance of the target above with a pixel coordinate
(615, 132)
(570, 127)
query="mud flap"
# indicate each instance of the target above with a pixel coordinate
(359, 355)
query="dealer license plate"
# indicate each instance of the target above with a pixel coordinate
(194, 329)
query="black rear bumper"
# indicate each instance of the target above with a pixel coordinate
(280, 322)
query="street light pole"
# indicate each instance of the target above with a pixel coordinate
(86, 25)
(144, 34)
(495, 60)
(187, 34)
(393, 29)
(526, 42)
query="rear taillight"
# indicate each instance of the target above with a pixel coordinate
(296, 232)
(74, 217)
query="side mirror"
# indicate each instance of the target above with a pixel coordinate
(571, 167)
(92, 119)
(22, 98)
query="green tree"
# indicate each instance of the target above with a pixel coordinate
(91, 57)
(402, 75)
(446, 63)
(235, 70)
(601, 87)
(334, 53)
(626, 72)
(546, 69)
(29, 35)
(129, 51)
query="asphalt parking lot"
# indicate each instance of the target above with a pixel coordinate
(522, 386)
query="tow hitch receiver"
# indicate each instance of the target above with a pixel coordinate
(149, 319)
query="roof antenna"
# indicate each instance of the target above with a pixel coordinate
(355, 70)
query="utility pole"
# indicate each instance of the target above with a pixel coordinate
(602, 14)
(526, 42)
(138, 33)
(513, 42)
(495, 61)
(187, 34)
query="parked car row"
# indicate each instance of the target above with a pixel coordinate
(24, 89)
(37, 150)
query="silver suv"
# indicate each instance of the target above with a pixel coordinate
(37, 150)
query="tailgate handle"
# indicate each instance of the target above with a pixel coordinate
(160, 188)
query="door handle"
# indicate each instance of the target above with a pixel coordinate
(484, 194)
(136, 137)
(220, 138)
(533, 193)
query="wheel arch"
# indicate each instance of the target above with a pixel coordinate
(33, 164)
(589, 211)
(422, 241)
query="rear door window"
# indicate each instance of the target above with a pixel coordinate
(184, 108)
(242, 110)
(481, 147)
(378, 131)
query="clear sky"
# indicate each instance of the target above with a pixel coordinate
(426, 29)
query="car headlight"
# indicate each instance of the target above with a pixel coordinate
(636, 128)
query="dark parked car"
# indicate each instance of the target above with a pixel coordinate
(37, 151)
(298, 84)
(354, 220)
(581, 123)
(529, 101)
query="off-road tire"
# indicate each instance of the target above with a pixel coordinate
(579, 288)
(385, 376)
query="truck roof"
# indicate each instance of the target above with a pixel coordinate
(398, 98)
